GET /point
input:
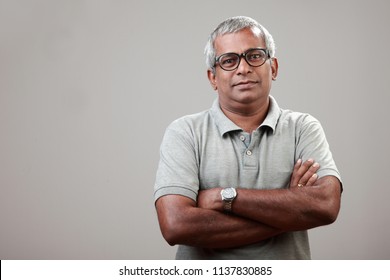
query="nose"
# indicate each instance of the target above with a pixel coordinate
(243, 68)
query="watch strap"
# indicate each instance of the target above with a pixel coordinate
(228, 195)
(227, 206)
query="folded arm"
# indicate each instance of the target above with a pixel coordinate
(203, 224)
(315, 204)
(182, 222)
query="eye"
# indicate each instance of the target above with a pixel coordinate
(227, 60)
(256, 55)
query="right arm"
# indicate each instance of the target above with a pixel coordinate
(182, 222)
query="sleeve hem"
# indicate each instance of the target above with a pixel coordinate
(175, 190)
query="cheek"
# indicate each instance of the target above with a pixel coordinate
(265, 77)
(223, 88)
(222, 80)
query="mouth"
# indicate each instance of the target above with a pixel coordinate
(245, 83)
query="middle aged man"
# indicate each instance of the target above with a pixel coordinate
(245, 179)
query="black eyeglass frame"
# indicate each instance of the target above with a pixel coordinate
(242, 55)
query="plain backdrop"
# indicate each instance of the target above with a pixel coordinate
(87, 88)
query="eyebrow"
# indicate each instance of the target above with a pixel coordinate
(264, 48)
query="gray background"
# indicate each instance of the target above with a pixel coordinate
(87, 89)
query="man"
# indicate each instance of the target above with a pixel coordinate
(245, 179)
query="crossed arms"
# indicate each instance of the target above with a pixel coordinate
(258, 214)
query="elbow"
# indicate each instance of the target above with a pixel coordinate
(332, 215)
(330, 212)
(173, 215)
(331, 201)
(172, 231)
(328, 218)
(325, 213)
(170, 236)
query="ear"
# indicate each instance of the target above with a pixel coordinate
(212, 79)
(274, 68)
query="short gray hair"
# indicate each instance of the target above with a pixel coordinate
(232, 25)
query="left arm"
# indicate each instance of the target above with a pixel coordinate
(288, 209)
(294, 208)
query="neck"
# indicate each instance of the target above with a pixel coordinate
(248, 119)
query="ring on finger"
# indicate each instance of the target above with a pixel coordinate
(300, 185)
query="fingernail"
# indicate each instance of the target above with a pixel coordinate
(316, 164)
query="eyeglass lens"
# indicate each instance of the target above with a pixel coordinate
(230, 61)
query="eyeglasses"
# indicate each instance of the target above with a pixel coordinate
(254, 57)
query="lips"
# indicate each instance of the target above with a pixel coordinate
(245, 83)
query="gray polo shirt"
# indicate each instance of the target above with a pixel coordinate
(208, 150)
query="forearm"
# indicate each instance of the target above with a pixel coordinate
(206, 228)
(213, 229)
(291, 209)
(282, 208)
(288, 209)
(276, 208)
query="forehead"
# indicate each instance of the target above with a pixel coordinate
(238, 42)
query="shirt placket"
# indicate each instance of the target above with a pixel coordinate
(250, 142)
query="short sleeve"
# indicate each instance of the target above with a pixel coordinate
(177, 171)
(312, 143)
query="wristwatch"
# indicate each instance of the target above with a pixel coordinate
(228, 195)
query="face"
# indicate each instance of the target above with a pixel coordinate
(246, 87)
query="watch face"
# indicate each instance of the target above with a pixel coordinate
(229, 193)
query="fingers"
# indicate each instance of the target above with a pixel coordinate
(312, 180)
(297, 166)
(304, 174)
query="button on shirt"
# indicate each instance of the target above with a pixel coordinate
(208, 150)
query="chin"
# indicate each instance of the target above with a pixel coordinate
(248, 97)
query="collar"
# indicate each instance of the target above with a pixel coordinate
(225, 125)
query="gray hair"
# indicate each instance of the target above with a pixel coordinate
(232, 25)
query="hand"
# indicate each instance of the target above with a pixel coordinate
(304, 174)
(210, 199)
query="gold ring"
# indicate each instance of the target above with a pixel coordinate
(300, 185)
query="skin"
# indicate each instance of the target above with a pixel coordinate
(244, 98)
(244, 92)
